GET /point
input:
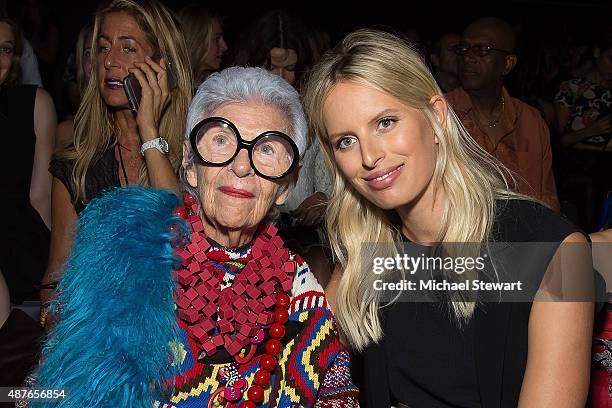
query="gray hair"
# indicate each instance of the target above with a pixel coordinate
(244, 85)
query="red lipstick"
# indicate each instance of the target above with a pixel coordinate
(236, 192)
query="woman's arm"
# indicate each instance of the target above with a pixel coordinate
(45, 123)
(155, 99)
(568, 138)
(559, 355)
(64, 135)
(64, 219)
(337, 388)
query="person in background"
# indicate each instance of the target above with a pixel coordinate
(319, 42)
(28, 122)
(20, 339)
(278, 43)
(203, 33)
(44, 36)
(583, 108)
(114, 146)
(505, 127)
(444, 60)
(30, 75)
(601, 372)
(76, 86)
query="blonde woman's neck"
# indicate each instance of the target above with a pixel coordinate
(421, 220)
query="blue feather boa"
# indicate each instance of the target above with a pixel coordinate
(112, 344)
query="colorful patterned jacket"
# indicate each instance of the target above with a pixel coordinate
(313, 368)
(116, 331)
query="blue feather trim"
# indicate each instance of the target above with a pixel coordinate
(112, 344)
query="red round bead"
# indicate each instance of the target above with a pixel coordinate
(255, 393)
(268, 362)
(273, 346)
(188, 199)
(281, 315)
(282, 300)
(276, 331)
(247, 404)
(180, 211)
(262, 378)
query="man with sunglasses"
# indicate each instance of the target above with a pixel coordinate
(506, 127)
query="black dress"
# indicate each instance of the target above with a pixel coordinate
(102, 176)
(426, 360)
(24, 242)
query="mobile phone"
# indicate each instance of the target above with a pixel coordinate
(133, 90)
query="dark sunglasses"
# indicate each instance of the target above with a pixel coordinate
(480, 50)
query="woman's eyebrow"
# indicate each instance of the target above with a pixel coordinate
(336, 135)
(384, 112)
(123, 37)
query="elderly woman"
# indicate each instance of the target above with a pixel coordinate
(254, 328)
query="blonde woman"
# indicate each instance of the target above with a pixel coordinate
(114, 146)
(203, 33)
(406, 170)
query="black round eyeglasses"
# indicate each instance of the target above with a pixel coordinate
(216, 142)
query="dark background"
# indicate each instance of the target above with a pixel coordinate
(339, 17)
(540, 25)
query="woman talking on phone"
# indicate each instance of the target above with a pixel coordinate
(112, 144)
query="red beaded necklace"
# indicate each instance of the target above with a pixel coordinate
(238, 317)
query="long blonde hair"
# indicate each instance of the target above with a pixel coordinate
(95, 130)
(197, 27)
(80, 50)
(471, 178)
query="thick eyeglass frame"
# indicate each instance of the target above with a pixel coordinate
(242, 144)
(465, 48)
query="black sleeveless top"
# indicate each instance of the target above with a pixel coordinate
(24, 242)
(426, 360)
(102, 175)
(19, 139)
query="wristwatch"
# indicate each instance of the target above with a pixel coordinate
(160, 144)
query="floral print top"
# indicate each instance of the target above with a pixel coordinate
(587, 102)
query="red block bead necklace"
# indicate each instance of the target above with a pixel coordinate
(253, 309)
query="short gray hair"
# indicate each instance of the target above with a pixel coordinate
(243, 85)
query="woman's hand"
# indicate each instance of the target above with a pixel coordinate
(601, 125)
(569, 138)
(155, 98)
(153, 79)
(64, 220)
